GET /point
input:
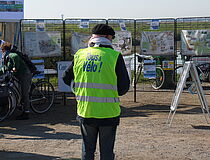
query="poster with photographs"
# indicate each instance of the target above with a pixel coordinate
(157, 43)
(195, 42)
(42, 44)
(78, 41)
(122, 42)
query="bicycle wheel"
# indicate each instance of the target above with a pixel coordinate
(5, 108)
(160, 78)
(7, 105)
(42, 96)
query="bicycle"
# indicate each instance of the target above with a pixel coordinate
(203, 74)
(157, 82)
(42, 95)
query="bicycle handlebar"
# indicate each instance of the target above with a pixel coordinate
(143, 57)
(7, 77)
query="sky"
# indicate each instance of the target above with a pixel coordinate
(50, 9)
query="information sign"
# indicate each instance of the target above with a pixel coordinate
(11, 10)
(155, 24)
(188, 68)
(150, 69)
(62, 66)
(84, 23)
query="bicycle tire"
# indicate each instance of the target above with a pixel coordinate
(42, 96)
(5, 109)
(8, 107)
(159, 80)
(13, 97)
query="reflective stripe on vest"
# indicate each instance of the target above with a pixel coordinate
(96, 85)
(96, 82)
(98, 99)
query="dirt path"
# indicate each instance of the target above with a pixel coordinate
(142, 134)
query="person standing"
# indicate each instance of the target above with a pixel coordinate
(13, 62)
(100, 77)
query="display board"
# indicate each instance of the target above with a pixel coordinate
(122, 42)
(188, 68)
(155, 24)
(150, 69)
(39, 63)
(157, 43)
(195, 42)
(11, 10)
(42, 44)
(40, 25)
(78, 41)
(84, 23)
(168, 65)
(62, 66)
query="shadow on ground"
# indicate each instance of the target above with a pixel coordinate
(24, 156)
(202, 127)
(151, 109)
(35, 128)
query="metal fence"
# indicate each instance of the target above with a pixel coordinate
(156, 37)
(30, 26)
(34, 40)
(76, 32)
(77, 35)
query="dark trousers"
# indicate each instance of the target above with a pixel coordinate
(106, 141)
(25, 84)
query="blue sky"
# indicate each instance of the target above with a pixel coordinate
(116, 8)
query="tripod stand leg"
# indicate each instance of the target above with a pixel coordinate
(170, 117)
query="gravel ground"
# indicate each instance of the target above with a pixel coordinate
(142, 135)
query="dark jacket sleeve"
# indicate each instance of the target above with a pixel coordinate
(123, 81)
(68, 74)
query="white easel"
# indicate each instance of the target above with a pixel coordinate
(188, 68)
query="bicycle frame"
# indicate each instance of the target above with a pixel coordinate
(160, 76)
(204, 71)
(33, 85)
(139, 70)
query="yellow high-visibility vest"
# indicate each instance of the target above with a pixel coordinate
(96, 82)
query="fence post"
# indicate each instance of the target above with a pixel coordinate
(64, 55)
(134, 96)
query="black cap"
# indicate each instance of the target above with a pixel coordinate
(103, 29)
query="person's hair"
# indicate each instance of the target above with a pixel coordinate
(6, 46)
